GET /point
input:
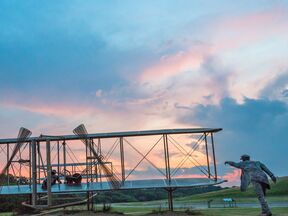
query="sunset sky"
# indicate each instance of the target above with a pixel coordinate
(143, 65)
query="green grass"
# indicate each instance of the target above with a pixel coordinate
(242, 211)
(277, 190)
(278, 193)
(6, 214)
(206, 212)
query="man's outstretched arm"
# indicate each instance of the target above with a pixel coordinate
(234, 164)
(266, 170)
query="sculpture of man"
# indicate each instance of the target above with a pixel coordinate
(255, 172)
(54, 178)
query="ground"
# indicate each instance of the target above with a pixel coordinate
(206, 212)
(209, 212)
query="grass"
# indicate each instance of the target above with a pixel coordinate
(278, 192)
(206, 212)
(242, 211)
(6, 214)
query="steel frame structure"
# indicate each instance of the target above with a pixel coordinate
(93, 171)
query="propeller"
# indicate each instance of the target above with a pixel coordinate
(23, 134)
(82, 133)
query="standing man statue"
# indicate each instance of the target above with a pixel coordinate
(255, 172)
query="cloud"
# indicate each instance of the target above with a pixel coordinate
(173, 64)
(285, 93)
(127, 69)
(276, 88)
(233, 177)
(99, 93)
(150, 172)
(255, 127)
(245, 29)
(252, 43)
(58, 110)
(159, 97)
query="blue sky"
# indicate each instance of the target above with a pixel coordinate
(150, 64)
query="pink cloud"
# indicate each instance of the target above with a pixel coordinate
(226, 34)
(236, 31)
(191, 176)
(232, 177)
(61, 110)
(260, 19)
(174, 64)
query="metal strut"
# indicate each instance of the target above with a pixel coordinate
(168, 174)
(207, 155)
(122, 160)
(214, 157)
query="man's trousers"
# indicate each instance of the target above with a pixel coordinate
(259, 190)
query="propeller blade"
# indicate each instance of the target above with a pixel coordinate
(23, 134)
(82, 133)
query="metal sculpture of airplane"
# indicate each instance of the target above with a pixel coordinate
(98, 173)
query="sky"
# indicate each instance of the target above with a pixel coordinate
(143, 65)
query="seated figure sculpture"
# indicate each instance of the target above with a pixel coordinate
(54, 178)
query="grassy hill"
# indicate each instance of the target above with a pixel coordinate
(278, 189)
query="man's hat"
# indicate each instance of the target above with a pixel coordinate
(53, 172)
(245, 157)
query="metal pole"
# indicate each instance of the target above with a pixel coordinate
(30, 174)
(207, 155)
(167, 161)
(96, 166)
(100, 153)
(90, 164)
(8, 179)
(39, 163)
(20, 166)
(88, 201)
(87, 173)
(214, 156)
(49, 170)
(64, 158)
(165, 157)
(168, 172)
(86, 162)
(30, 171)
(58, 157)
(92, 201)
(34, 174)
(122, 160)
(170, 199)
